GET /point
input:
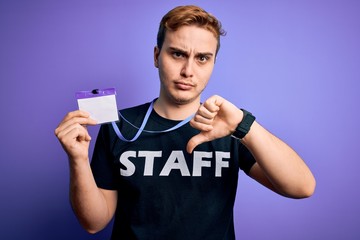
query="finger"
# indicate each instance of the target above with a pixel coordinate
(207, 111)
(79, 134)
(195, 141)
(77, 116)
(76, 113)
(71, 133)
(74, 132)
(75, 144)
(74, 120)
(214, 102)
(211, 105)
(200, 119)
(202, 126)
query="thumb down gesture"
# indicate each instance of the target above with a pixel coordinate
(215, 118)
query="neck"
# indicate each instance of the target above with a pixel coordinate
(175, 111)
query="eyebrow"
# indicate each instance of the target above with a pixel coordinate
(175, 49)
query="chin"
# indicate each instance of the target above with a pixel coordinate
(183, 100)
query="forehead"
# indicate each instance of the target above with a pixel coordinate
(191, 38)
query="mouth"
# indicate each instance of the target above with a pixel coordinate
(182, 85)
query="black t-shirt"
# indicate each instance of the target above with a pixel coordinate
(163, 191)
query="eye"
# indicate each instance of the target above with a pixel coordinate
(203, 58)
(178, 54)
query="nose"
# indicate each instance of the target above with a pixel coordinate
(187, 68)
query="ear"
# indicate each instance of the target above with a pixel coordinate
(156, 56)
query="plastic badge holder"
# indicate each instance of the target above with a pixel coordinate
(100, 104)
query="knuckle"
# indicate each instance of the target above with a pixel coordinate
(197, 118)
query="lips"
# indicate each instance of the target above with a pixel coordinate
(184, 85)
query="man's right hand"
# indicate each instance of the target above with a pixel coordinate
(73, 135)
(93, 206)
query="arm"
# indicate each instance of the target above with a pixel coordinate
(94, 207)
(277, 166)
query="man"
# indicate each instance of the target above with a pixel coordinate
(176, 184)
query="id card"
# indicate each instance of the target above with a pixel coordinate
(100, 104)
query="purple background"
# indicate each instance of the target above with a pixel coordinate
(294, 64)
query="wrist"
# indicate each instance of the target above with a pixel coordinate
(78, 162)
(244, 126)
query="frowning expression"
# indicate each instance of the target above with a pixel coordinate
(185, 62)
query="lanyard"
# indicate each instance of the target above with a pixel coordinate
(141, 128)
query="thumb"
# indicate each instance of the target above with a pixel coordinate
(195, 141)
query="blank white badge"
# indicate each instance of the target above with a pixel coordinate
(100, 104)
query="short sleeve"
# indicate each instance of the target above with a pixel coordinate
(247, 160)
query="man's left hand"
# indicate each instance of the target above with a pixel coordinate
(215, 118)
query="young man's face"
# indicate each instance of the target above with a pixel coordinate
(185, 63)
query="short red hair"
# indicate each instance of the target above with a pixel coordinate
(186, 16)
